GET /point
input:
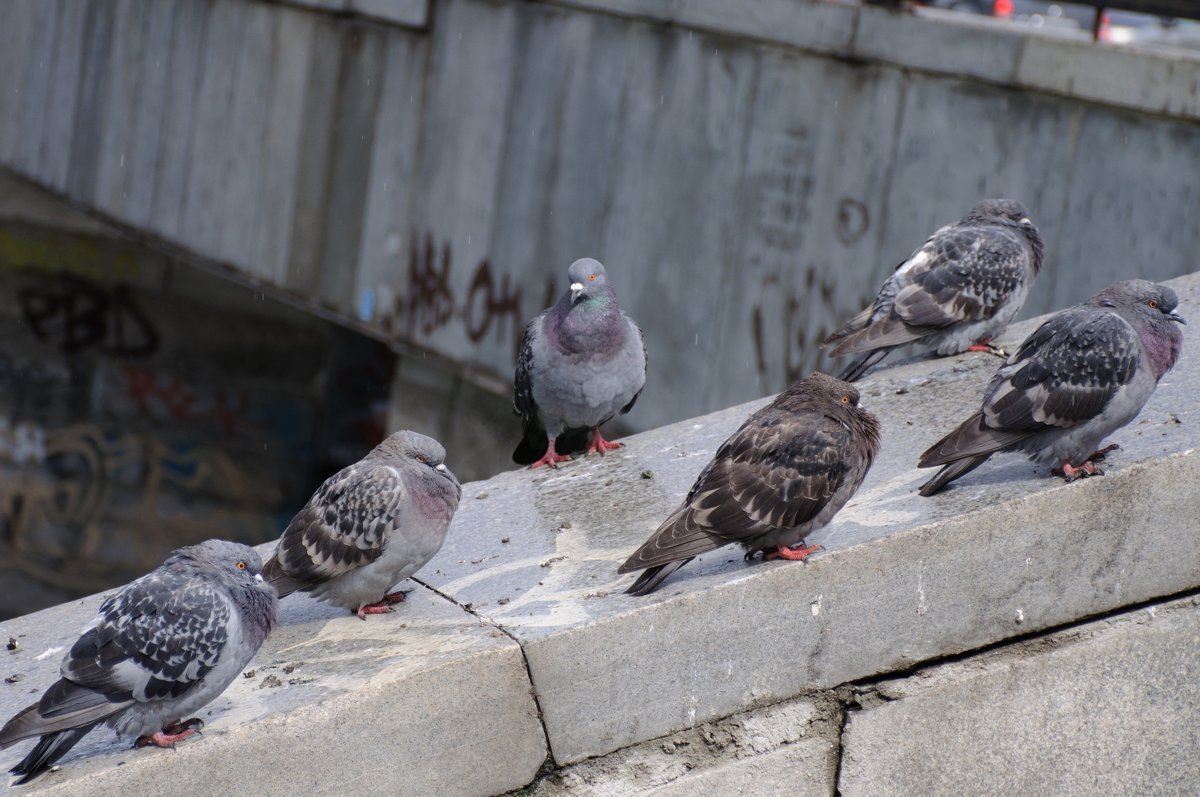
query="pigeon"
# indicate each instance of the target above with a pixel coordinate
(782, 475)
(582, 362)
(159, 650)
(1084, 373)
(369, 526)
(954, 294)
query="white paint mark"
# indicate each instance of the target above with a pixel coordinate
(1020, 615)
(922, 607)
(696, 427)
(815, 606)
(48, 653)
(1028, 561)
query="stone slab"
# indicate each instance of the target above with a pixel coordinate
(422, 701)
(902, 579)
(1106, 708)
(787, 749)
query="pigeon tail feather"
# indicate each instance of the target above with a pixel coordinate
(859, 365)
(951, 472)
(48, 750)
(649, 580)
(284, 584)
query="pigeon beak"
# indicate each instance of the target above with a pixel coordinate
(1177, 318)
(441, 467)
(1025, 220)
(258, 577)
(576, 290)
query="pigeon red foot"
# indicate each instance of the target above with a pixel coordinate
(1088, 468)
(598, 445)
(379, 607)
(170, 734)
(984, 346)
(793, 554)
(399, 596)
(551, 457)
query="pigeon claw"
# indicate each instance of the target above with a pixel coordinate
(598, 445)
(399, 596)
(170, 734)
(1098, 456)
(551, 457)
(984, 346)
(379, 607)
(793, 554)
(1088, 468)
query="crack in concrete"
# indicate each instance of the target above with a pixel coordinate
(549, 762)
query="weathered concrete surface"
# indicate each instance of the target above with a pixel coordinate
(787, 749)
(903, 578)
(1107, 708)
(748, 172)
(422, 701)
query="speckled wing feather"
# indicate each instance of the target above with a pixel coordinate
(154, 640)
(773, 473)
(343, 527)
(1064, 374)
(968, 274)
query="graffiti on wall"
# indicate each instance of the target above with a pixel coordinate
(493, 302)
(77, 314)
(81, 508)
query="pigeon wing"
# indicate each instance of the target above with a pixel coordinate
(773, 473)
(345, 524)
(967, 274)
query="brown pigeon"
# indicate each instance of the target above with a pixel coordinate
(782, 475)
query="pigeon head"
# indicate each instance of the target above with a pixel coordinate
(588, 279)
(1147, 300)
(835, 390)
(230, 562)
(1150, 310)
(416, 451)
(1001, 211)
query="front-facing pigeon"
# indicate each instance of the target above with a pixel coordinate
(159, 650)
(369, 526)
(954, 294)
(782, 475)
(582, 362)
(1084, 373)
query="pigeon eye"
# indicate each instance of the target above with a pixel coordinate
(591, 278)
(845, 399)
(420, 457)
(241, 565)
(1152, 304)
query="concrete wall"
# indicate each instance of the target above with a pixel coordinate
(748, 175)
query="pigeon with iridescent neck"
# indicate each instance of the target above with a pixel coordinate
(954, 294)
(160, 649)
(1084, 373)
(582, 362)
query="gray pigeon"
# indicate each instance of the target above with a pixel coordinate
(1084, 373)
(369, 526)
(782, 475)
(582, 362)
(954, 294)
(159, 650)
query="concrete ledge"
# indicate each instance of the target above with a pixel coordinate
(440, 693)
(1105, 709)
(903, 579)
(425, 702)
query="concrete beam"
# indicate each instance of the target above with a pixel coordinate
(1106, 708)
